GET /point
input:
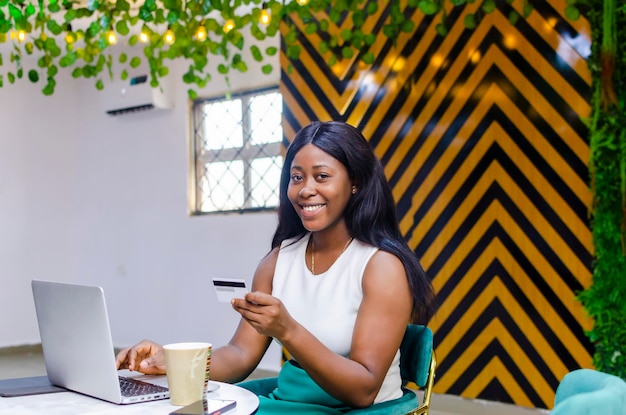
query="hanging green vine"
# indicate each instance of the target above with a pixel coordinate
(78, 34)
(605, 299)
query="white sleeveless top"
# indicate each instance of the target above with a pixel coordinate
(327, 304)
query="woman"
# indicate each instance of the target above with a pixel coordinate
(337, 289)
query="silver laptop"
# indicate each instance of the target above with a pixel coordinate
(77, 345)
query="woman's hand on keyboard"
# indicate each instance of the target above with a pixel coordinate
(145, 357)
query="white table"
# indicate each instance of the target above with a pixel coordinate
(70, 403)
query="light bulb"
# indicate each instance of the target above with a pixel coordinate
(111, 37)
(21, 35)
(229, 25)
(70, 37)
(265, 17)
(169, 37)
(201, 33)
(143, 37)
(302, 2)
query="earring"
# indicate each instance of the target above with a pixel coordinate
(353, 189)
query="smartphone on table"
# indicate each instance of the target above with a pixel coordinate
(206, 407)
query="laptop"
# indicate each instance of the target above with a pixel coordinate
(77, 344)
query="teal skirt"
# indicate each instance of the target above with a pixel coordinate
(293, 392)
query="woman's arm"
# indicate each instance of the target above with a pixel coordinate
(380, 326)
(236, 360)
(229, 363)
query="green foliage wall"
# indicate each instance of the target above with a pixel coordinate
(605, 300)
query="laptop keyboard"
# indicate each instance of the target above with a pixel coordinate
(134, 387)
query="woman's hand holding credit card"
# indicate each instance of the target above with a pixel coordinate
(229, 288)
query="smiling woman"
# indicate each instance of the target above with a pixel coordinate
(335, 209)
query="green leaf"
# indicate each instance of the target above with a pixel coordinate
(70, 15)
(513, 17)
(441, 29)
(347, 52)
(528, 9)
(223, 69)
(324, 25)
(256, 53)
(122, 5)
(469, 21)
(49, 88)
(369, 39)
(54, 27)
(293, 51)
(77, 72)
(271, 51)
(323, 47)
(124, 75)
(123, 57)
(368, 58)
(572, 12)
(122, 28)
(428, 7)
(241, 66)
(358, 18)
(310, 28)
(267, 69)
(5, 26)
(372, 7)
(33, 75)
(30, 10)
(192, 94)
(489, 6)
(99, 85)
(346, 34)
(408, 26)
(11, 77)
(15, 13)
(163, 71)
(135, 62)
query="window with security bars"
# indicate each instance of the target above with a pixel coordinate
(237, 142)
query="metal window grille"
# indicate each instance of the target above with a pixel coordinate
(237, 151)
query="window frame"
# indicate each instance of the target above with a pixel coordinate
(247, 153)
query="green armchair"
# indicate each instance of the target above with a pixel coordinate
(587, 392)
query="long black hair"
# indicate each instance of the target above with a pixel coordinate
(370, 215)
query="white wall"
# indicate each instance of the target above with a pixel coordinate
(94, 199)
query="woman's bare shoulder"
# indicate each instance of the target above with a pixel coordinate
(264, 274)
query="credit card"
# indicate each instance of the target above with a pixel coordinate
(229, 288)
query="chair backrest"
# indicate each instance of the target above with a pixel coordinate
(417, 361)
(415, 354)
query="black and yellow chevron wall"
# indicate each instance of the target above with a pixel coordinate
(483, 140)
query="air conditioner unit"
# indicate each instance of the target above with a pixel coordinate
(135, 94)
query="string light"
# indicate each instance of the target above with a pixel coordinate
(201, 33)
(229, 25)
(70, 37)
(143, 36)
(169, 37)
(265, 17)
(111, 37)
(302, 2)
(21, 35)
